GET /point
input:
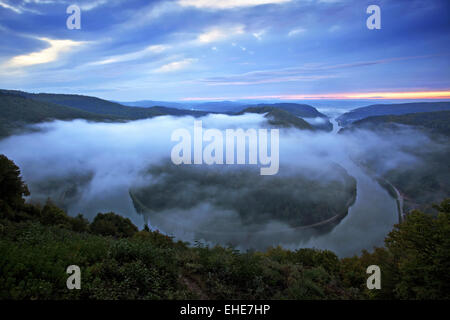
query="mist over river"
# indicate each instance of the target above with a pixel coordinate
(90, 167)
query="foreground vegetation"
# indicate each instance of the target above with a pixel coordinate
(118, 261)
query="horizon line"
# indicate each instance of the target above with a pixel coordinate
(405, 95)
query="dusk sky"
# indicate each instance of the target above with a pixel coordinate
(230, 49)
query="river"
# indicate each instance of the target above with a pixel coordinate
(369, 219)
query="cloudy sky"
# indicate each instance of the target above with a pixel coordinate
(227, 49)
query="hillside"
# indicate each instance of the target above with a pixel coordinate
(103, 107)
(435, 122)
(17, 111)
(217, 106)
(303, 111)
(20, 108)
(300, 110)
(428, 180)
(279, 118)
(391, 109)
(152, 103)
(281, 114)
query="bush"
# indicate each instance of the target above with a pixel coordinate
(111, 224)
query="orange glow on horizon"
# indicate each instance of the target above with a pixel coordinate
(340, 96)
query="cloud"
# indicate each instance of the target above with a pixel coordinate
(10, 7)
(174, 66)
(296, 32)
(308, 72)
(133, 55)
(17, 9)
(219, 33)
(334, 28)
(50, 54)
(237, 82)
(93, 4)
(227, 4)
(258, 35)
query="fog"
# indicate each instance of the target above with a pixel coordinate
(316, 121)
(89, 167)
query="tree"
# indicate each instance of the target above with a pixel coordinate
(111, 224)
(421, 250)
(12, 187)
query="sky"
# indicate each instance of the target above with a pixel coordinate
(195, 50)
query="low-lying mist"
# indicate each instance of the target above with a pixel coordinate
(89, 167)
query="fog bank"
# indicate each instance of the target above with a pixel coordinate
(90, 167)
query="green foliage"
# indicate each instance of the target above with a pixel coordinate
(280, 118)
(21, 108)
(18, 111)
(421, 247)
(415, 262)
(111, 224)
(12, 187)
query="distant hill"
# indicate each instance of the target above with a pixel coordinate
(218, 106)
(435, 122)
(391, 109)
(210, 107)
(20, 108)
(152, 103)
(300, 110)
(16, 111)
(303, 111)
(280, 118)
(104, 107)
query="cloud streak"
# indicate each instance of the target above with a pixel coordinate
(227, 4)
(175, 66)
(309, 72)
(219, 34)
(52, 53)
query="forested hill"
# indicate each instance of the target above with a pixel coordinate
(20, 108)
(303, 111)
(103, 107)
(435, 122)
(300, 110)
(17, 111)
(391, 109)
(279, 117)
